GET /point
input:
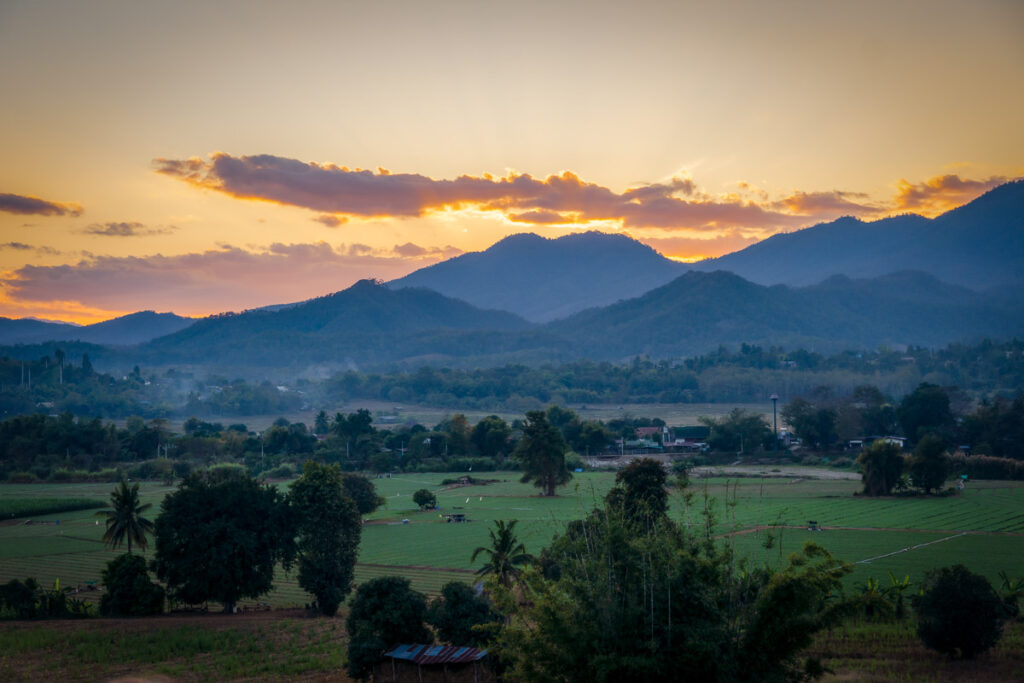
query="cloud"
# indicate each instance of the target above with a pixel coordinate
(941, 193)
(21, 246)
(540, 217)
(126, 229)
(834, 202)
(21, 204)
(330, 220)
(341, 191)
(228, 278)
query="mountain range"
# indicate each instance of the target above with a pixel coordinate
(545, 279)
(838, 285)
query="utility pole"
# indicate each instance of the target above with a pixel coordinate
(775, 420)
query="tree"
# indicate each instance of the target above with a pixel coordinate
(958, 612)
(385, 612)
(320, 424)
(640, 492)
(506, 554)
(125, 522)
(128, 590)
(926, 411)
(457, 611)
(930, 465)
(881, 466)
(219, 536)
(362, 491)
(490, 437)
(328, 526)
(815, 425)
(739, 431)
(541, 454)
(662, 606)
(425, 498)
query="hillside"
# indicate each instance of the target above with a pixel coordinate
(544, 279)
(367, 322)
(698, 311)
(126, 330)
(978, 245)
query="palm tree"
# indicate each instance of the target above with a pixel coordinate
(505, 555)
(125, 521)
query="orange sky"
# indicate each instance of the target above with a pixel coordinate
(201, 157)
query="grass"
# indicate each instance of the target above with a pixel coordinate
(431, 552)
(14, 508)
(210, 649)
(892, 652)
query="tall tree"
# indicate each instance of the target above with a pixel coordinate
(219, 537)
(663, 606)
(881, 466)
(926, 411)
(125, 523)
(640, 493)
(929, 468)
(541, 453)
(506, 554)
(329, 527)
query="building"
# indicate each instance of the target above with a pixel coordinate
(427, 663)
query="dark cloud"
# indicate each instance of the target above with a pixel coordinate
(21, 246)
(942, 193)
(330, 220)
(126, 229)
(338, 190)
(20, 204)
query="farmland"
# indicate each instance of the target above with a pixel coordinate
(982, 527)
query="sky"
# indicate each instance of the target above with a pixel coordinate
(201, 157)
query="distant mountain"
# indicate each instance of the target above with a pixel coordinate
(367, 321)
(127, 330)
(699, 311)
(544, 279)
(370, 326)
(978, 245)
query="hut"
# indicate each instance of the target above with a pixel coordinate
(430, 663)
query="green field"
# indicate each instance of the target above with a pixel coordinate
(982, 528)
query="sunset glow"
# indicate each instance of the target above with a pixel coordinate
(161, 157)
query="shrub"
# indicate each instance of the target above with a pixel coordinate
(958, 613)
(385, 612)
(22, 478)
(424, 498)
(457, 612)
(129, 591)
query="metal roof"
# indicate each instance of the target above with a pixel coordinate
(436, 654)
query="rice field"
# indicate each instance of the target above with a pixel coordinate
(983, 527)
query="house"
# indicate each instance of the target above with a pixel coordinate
(862, 442)
(692, 438)
(425, 663)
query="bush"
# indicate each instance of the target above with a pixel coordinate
(129, 591)
(424, 498)
(958, 613)
(22, 478)
(457, 612)
(385, 612)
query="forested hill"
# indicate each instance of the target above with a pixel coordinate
(366, 322)
(544, 279)
(371, 326)
(699, 311)
(135, 328)
(978, 245)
